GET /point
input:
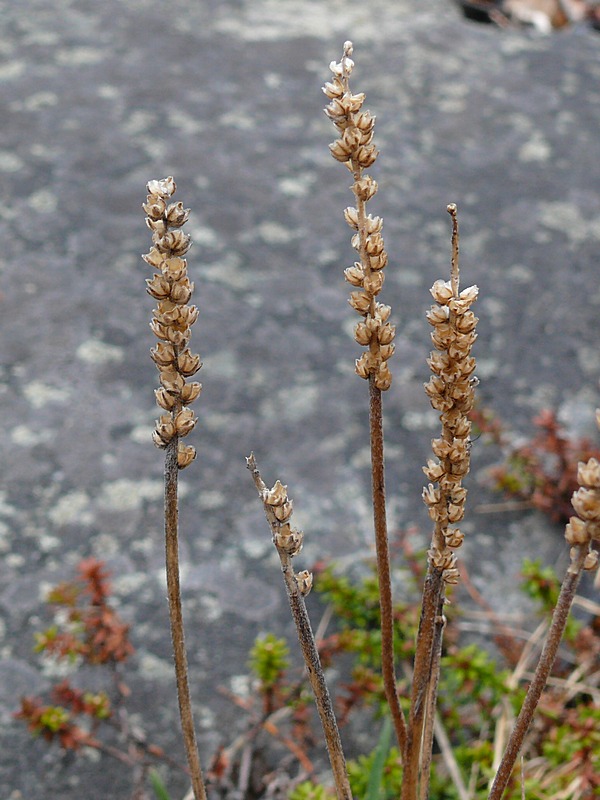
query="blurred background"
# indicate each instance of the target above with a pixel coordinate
(98, 98)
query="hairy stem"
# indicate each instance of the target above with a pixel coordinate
(176, 619)
(429, 718)
(317, 680)
(383, 565)
(540, 676)
(430, 626)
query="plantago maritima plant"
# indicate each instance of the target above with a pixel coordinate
(451, 392)
(288, 542)
(356, 150)
(171, 324)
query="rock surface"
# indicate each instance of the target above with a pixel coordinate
(225, 95)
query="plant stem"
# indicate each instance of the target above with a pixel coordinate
(310, 654)
(540, 676)
(429, 718)
(430, 626)
(176, 618)
(317, 680)
(383, 564)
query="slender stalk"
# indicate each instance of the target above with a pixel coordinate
(176, 619)
(540, 676)
(171, 324)
(317, 680)
(383, 565)
(430, 706)
(451, 392)
(288, 543)
(431, 620)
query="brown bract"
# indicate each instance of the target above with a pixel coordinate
(173, 318)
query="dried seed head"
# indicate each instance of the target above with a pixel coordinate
(288, 540)
(362, 334)
(584, 529)
(365, 188)
(185, 455)
(164, 399)
(361, 302)
(586, 503)
(354, 275)
(591, 560)
(283, 512)
(304, 580)
(172, 319)
(188, 363)
(175, 243)
(354, 148)
(451, 576)
(177, 215)
(576, 531)
(158, 287)
(451, 392)
(162, 189)
(190, 392)
(276, 496)
(588, 474)
(454, 537)
(163, 354)
(351, 217)
(185, 421)
(383, 377)
(154, 207)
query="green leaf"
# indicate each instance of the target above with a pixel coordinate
(375, 783)
(158, 786)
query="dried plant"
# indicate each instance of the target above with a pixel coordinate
(171, 324)
(356, 150)
(288, 542)
(451, 392)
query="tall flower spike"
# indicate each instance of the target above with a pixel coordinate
(171, 324)
(451, 391)
(356, 150)
(173, 318)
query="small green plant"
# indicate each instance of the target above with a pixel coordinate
(269, 661)
(158, 786)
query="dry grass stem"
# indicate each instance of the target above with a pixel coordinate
(356, 150)
(449, 759)
(171, 324)
(451, 392)
(288, 543)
